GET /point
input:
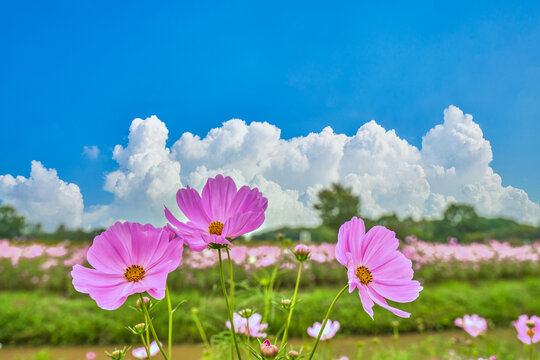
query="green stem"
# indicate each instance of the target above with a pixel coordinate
(222, 277)
(169, 308)
(248, 333)
(326, 320)
(152, 328)
(531, 350)
(231, 280)
(291, 308)
(147, 331)
(269, 292)
(145, 346)
(201, 329)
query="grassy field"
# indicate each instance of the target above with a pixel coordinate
(31, 318)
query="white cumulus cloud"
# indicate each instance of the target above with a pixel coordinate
(390, 175)
(43, 197)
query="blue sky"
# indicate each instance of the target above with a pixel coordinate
(75, 74)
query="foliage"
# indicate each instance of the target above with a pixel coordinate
(337, 205)
(34, 318)
(11, 223)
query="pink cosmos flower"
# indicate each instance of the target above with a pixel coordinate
(330, 330)
(90, 355)
(256, 328)
(221, 212)
(525, 332)
(140, 353)
(474, 325)
(375, 266)
(128, 258)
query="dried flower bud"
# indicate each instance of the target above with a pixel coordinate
(140, 327)
(302, 252)
(268, 351)
(246, 313)
(293, 354)
(530, 324)
(395, 323)
(146, 302)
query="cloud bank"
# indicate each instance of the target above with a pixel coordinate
(388, 173)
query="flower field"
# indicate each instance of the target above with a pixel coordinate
(47, 266)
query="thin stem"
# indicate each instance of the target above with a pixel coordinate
(326, 320)
(248, 333)
(169, 308)
(233, 333)
(152, 328)
(147, 331)
(293, 304)
(531, 349)
(201, 329)
(231, 280)
(269, 291)
(145, 346)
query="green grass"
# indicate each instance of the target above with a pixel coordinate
(32, 318)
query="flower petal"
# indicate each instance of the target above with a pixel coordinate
(217, 196)
(367, 303)
(243, 223)
(379, 300)
(378, 244)
(401, 291)
(349, 240)
(191, 205)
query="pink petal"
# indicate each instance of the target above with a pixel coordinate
(378, 244)
(217, 196)
(379, 300)
(190, 203)
(402, 291)
(247, 199)
(111, 250)
(367, 303)
(349, 240)
(105, 289)
(243, 223)
(396, 267)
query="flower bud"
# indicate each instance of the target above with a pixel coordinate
(146, 302)
(395, 323)
(194, 310)
(530, 324)
(246, 313)
(286, 303)
(302, 252)
(117, 354)
(293, 354)
(268, 351)
(140, 327)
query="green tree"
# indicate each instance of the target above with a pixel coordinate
(11, 223)
(336, 205)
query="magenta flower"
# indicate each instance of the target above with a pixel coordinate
(474, 325)
(221, 212)
(375, 266)
(128, 258)
(528, 329)
(90, 355)
(140, 353)
(330, 330)
(256, 328)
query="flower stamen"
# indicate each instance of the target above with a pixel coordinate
(364, 275)
(215, 228)
(134, 273)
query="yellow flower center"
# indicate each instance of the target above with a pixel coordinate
(364, 275)
(530, 332)
(134, 273)
(215, 228)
